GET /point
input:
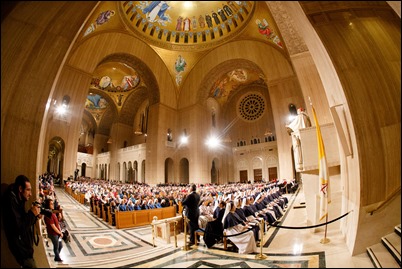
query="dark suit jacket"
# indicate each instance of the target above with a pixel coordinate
(191, 203)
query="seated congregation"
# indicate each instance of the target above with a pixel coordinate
(240, 223)
(228, 212)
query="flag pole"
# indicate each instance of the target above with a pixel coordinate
(323, 176)
(325, 239)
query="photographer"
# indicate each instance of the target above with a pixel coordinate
(19, 225)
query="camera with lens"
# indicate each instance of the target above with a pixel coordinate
(43, 211)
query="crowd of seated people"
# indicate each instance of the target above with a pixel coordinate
(121, 196)
(249, 203)
(46, 189)
(287, 186)
(262, 202)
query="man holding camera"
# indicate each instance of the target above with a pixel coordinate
(19, 225)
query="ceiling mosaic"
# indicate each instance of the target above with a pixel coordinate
(226, 85)
(183, 27)
(115, 79)
(186, 22)
(96, 105)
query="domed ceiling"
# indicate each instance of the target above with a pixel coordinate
(114, 79)
(183, 23)
(186, 28)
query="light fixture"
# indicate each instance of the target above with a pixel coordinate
(184, 140)
(62, 109)
(213, 142)
(184, 137)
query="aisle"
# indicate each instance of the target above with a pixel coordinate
(93, 241)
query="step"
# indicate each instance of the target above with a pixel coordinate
(392, 242)
(398, 229)
(380, 257)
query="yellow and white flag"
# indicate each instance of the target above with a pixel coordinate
(322, 172)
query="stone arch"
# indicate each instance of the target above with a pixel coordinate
(145, 62)
(214, 64)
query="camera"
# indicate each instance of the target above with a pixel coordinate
(43, 211)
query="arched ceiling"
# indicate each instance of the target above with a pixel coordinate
(127, 82)
(223, 81)
(120, 84)
(56, 147)
(88, 122)
(133, 102)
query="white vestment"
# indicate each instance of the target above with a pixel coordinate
(244, 242)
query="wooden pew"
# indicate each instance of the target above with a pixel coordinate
(127, 219)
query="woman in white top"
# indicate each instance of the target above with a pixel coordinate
(206, 213)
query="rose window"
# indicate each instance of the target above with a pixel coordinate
(251, 107)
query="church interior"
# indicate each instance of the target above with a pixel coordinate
(222, 92)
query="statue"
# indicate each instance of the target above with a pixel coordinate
(301, 121)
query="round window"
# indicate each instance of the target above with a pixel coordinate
(251, 107)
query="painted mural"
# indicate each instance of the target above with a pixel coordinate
(116, 84)
(266, 30)
(95, 101)
(101, 19)
(155, 11)
(231, 81)
(96, 105)
(187, 15)
(179, 67)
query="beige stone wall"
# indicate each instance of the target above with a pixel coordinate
(360, 70)
(33, 48)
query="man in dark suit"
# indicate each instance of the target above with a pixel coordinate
(191, 204)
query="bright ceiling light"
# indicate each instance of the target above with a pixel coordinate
(213, 142)
(61, 110)
(184, 139)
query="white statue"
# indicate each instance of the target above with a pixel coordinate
(301, 121)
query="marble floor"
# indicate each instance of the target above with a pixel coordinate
(96, 244)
